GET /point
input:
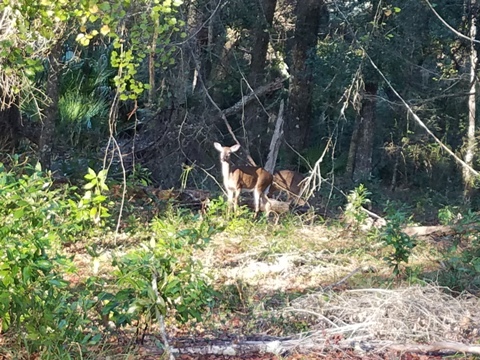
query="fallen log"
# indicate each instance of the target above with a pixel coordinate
(315, 345)
(441, 230)
(438, 230)
(440, 348)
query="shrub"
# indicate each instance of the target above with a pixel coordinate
(34, 296)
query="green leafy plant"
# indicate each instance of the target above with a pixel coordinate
(447, 214)
(392, 235)
(164, 276)
(140, 175)
(462, 258)
(92, 204)
(357, 198)
(35, 299)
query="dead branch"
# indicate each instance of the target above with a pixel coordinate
(262, 90)
(276, 141)
(441, 348)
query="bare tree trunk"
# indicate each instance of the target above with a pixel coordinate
(470, 141)
(359, 165)
(51, 111)
(309, 14)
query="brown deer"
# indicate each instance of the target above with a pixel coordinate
(238, 178)
(288, 181)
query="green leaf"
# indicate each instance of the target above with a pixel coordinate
(93, 212)
(89, 185)
(17, 214)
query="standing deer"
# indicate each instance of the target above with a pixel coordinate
(238, 178)
(288, 181)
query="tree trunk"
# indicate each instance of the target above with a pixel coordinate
(309, 14)
(256, 118)
(261, 36)
(470, 140)
(51, 110)
(9, 125)
(201, 20)
(359, 165)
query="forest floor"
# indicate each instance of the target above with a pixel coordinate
(316, 291)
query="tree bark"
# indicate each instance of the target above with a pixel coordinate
(261, 36)
(309, 14)
(9, 125)
(359, 165)
(470, 140)
(51, 110)
(254, 114)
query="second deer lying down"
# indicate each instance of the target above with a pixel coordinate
(238, 178)
(288, 181)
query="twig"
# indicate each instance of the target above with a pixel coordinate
(342, 280)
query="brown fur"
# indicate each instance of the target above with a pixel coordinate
(288, 181)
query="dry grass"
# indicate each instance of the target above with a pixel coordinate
(419, 314)
(287, 275)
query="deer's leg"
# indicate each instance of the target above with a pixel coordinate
(256, 197)
(266, 203)
(230, 203)
(235, 199)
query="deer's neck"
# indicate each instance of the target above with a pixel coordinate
(225, 171)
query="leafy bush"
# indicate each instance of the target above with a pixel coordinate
(356, 200)
(34, 296)
(37, 300)
(392, 235)
(163, 276)
(462, 259)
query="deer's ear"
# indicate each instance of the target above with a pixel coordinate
(235, 147)
(218, 146)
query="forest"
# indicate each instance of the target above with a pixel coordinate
(116, 226)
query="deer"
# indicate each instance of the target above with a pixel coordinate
(288, 181)
(238, 178)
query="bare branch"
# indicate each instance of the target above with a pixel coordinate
(450, 27)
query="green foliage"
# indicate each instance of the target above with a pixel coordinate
(77, 114)
(94, 198)
(34, 296)
(448, 214)
(37, 300)
(392, 235)
(83, 106)
(140, 176)
(461, 260)
(164, 275)
(354, 209)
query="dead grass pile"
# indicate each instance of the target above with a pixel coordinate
(417, 314)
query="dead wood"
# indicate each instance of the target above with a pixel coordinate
(429, 230)
(441, 230)
(262, 90)
(310, 345)
(276, 141)
(440, 348)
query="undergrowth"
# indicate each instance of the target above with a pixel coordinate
(68, 282)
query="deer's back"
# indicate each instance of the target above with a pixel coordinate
(250, 177)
